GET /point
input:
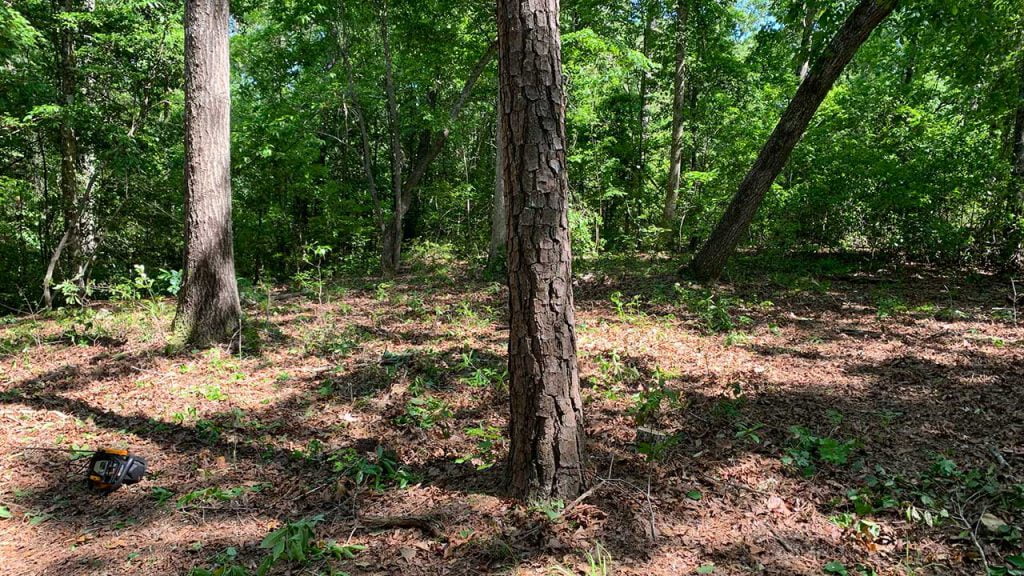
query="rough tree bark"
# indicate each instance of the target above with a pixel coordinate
(546, 420)
(499, 212)
(679, 101)
(866, 16)
(209, 311)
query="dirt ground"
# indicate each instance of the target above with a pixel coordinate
(828, 421)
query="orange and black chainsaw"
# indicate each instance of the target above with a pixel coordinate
(111, 469)
(108, 469)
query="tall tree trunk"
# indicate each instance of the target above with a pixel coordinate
(546, 419)
(641, 164)
(1013, 257)
(209, 311)
(391, 247)
(364, 136)
(808, 20)
(429, 149)
(1018, 127)
(679, 101)
(499, 209)
(868, 14)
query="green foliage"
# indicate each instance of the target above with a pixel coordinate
(293, 542)
(487, 438)
(713, 311)
(379, 472)
(808, 450)
(425, 412)
(211, 495)
(647, 404)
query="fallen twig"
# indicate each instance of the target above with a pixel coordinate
(429, 524)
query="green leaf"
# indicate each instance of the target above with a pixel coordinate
(836, 568)
(5, 512)
(694, 495)
(706, 569)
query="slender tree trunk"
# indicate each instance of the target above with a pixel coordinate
(1013, 257)
(868, 14)
(70, 156)
(641, 164)
(808, 21)
(546, 419)
(1018, 128)
(209, 311)
(679, 81)
(499, 213)
(392, 245)
(429, 149)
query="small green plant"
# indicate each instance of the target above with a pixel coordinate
(311, 280)
(736, 338)
(293, 542)
(487, 438)
(225, 564)
(208, 431)
(713, 311)
(382, 471)
(171, 279)
(161, 495)
(625, 307)
(599, 563)
(73, 293)
(211, 392)
(888, 306)
(383, 291)
(213, 494)
(551, 509)
(425, 412)
(749, 432)
(808, 450)
(647, 404)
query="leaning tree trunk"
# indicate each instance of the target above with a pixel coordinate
(710, 261)
(675, 155)
(546, 419)
(208, 306)
(499, 208)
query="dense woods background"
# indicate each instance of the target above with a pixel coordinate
(910, 156)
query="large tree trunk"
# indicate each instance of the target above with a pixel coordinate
(675, 155)
(499, 208)
(710, 261)
(208, 305)
(546, 419)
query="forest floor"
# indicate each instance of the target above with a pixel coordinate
(820, 421)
